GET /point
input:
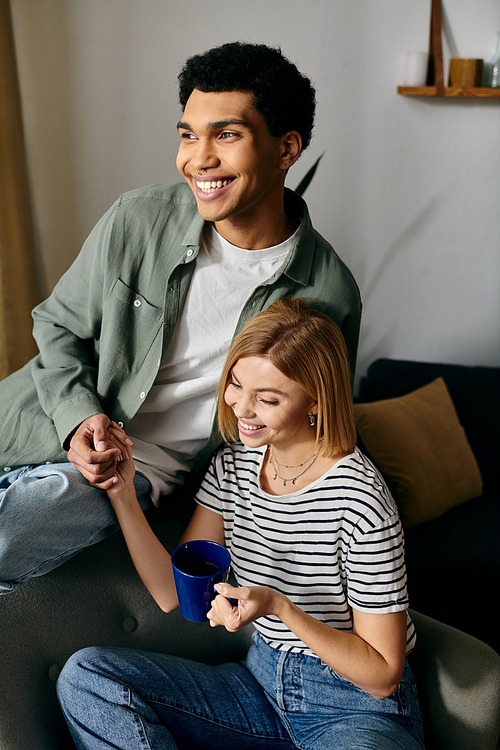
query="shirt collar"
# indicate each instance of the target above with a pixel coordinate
(300, 259)
(299, 263)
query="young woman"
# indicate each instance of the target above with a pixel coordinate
(317, 550)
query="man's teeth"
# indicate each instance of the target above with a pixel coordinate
(209, 187)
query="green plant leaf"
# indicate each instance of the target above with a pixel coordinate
(306, 180)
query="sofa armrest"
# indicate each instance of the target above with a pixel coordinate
(458, 679)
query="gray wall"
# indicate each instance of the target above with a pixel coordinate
(408, 192)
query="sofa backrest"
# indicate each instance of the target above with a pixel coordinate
(475, 392)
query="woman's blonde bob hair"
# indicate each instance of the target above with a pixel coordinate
(309, 348)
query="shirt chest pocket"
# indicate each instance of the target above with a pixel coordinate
(129, 327)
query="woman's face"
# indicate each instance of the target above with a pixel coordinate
(271, 409)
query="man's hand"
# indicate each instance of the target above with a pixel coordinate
(90, 454)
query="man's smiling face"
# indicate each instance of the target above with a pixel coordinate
(234, 167)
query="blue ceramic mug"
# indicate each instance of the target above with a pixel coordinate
(197, 566)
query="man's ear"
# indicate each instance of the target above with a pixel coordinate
(291, 149)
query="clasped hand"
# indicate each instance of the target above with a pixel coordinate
(252, 602)
(95, 448)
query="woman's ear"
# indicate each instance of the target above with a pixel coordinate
(291, 149)
(314, 408)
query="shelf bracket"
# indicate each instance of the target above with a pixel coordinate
(435, 74)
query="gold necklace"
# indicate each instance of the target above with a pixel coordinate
(275, 465)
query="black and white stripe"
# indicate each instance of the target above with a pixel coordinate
(335, 545)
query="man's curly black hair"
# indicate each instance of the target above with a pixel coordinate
(284, 96)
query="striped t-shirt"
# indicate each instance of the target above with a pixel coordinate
(337, 544)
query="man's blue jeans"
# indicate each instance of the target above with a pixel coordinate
(48, 514)
(136, 700)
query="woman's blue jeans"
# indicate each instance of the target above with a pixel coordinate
(136, 700)
(48, 514)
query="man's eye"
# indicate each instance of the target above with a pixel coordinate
(187, 136)
(227, 134)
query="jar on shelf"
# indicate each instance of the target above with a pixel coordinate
(491, 68)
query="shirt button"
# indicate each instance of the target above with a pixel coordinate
(143, 395)
(137, 303)
(7, 468)
(190, 252)
(120, 424)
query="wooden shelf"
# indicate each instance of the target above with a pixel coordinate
(481, 93)
(435, 73)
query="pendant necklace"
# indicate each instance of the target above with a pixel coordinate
(275, 463)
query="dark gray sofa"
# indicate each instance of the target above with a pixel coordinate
(453, 561)
(98, 599)
(94, 599)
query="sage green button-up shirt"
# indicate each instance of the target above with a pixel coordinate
(102, 331)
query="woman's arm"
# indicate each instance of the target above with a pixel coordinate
(372, 657)
(204, 524)
(151, 559)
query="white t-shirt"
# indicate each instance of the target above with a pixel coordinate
(175, 420)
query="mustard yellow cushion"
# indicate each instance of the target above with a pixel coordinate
(420, 446)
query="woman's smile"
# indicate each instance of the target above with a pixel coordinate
(245, 427)
(271, 408)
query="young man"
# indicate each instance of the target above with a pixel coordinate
(136, 332)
